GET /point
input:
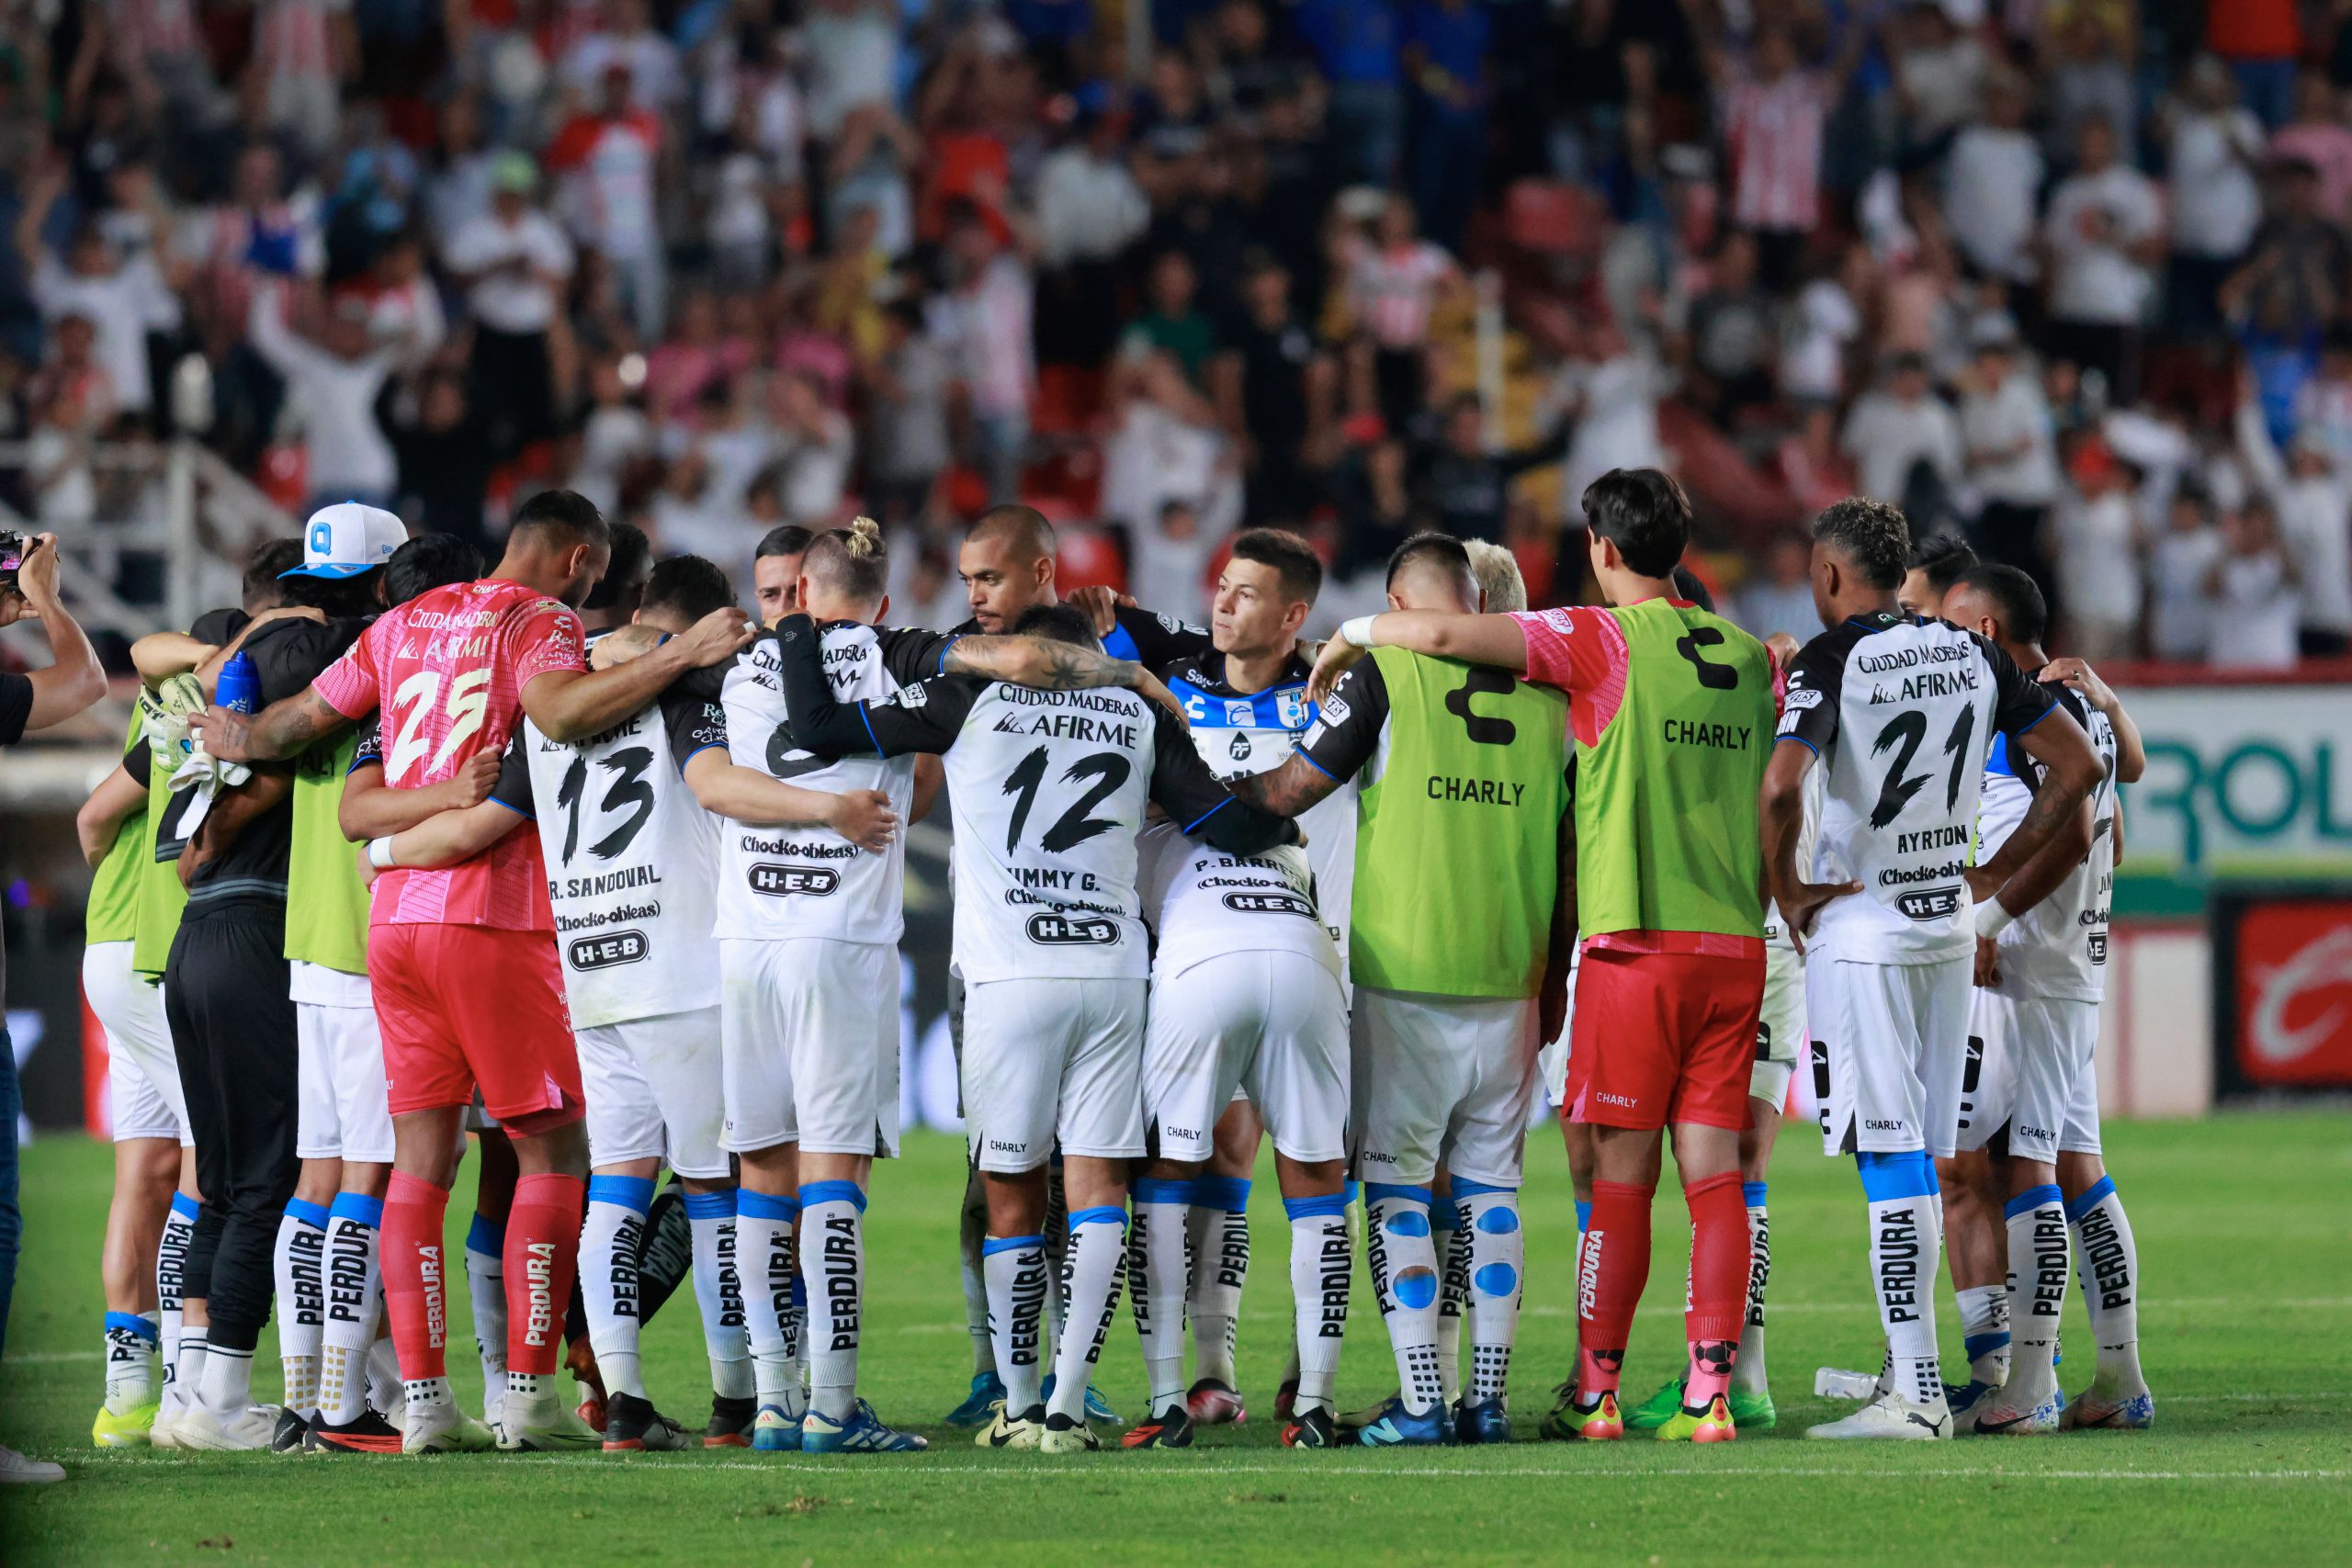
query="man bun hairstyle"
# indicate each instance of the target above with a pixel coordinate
(1299, 569)
(2025, 615)
(689, 585)
(1874, 538)
(853, 562)
(1645, 513)
(567, 516)
(426, 562)
(1058, 623)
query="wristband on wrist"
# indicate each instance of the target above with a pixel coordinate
(380, 853)
(1991, 919)
(1358, 631)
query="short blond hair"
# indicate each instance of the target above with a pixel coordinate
(1497, 571)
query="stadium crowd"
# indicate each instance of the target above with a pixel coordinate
(2067, 278)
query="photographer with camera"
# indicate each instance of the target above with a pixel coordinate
(73, 680)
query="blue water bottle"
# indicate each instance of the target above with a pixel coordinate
(239, 689)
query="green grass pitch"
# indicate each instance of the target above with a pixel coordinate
(2244, 1226)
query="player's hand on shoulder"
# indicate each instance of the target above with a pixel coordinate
(1783, 648)
(622, 644)
(1338, 657)
(1152, 687)
(2082, 678)
(1100, 604)
(864, 818)
(718, 636)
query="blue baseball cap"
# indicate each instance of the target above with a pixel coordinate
(346, 539)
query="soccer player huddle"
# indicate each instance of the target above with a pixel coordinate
(577, 859)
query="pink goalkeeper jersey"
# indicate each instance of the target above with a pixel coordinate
(448, 669)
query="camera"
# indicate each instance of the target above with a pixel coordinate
(12, 555)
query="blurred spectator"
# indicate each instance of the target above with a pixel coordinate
(2011, 446)
(2210, 190)
(2318, 136)
(1730, 333)
(1273, 390)
(1088, 211)
(2179, 619)
(908, 445)
(1772, 123)
(1991, 183)
(1779, 598)
(1376, 501)
(1358, 46)
(2103, 234)
(1905, 439)
(609, 161)
(331, 385)
(122, 299)
(445, 461)
(1166, 450)
(988, 320)
(2260, 39)
(2096, 528)
(1445, 56)
(1395, 280)
(71, 405)
(2251, 593)
(514, 264)
(1466, 486)
(1172, 322)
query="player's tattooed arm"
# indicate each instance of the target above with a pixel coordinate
(622, 644)
(2040, 876)
(2070, 771)
(1780, 809)
(1051, 666)
(371, 808)
(277, 731)
(2131, 753)
(570, 704)
(864, 817)
(1183, 787)
(1288, 790)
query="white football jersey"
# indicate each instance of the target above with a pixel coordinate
(1901, 713)
(1048, 790)
(2058, 948)
(1254, 732)
(809, 880)
(631, 855)
(1203, 902)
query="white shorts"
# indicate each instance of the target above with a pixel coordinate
(1053, 1060)
(343, 1110)
(1455, 1073)
(810, 1031)
(1779, 1027)
(2030, 1072)
(652, 1092)
(1552, 1061)
(1890, 1042)
(143, 1098)
(1269, 1025)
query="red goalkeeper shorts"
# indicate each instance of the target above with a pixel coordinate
(465, 1005)
(1663, 1037)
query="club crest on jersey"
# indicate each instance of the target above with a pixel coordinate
(1929, 903)
(1057, 930)
(783, 881)
(604, 951)
(1290, 707)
